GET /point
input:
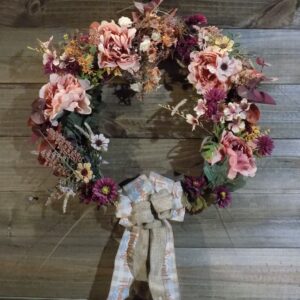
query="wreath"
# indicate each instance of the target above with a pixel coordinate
(133, 50)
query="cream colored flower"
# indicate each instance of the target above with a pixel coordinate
(84, 172)
(192, 120)
(145, 44)
(223, 44)
(125, 22)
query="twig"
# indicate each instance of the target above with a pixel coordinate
(62, 239)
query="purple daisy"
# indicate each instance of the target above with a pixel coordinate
(194, 185)
(105, 191)
(223, 196)
(213, 97)
(265, 145)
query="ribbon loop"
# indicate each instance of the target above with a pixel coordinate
(162, 203)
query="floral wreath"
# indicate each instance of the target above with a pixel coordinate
(224, 82)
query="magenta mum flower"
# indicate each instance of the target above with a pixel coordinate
(213, 97)
(223, 196)
(105, 191)
(194, 185)
(265, 145)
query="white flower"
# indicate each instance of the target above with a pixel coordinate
(145, 44)
(155, 36)
(125, 22)
(200, 109)
(99, 142)
(192, 120)
(137, 87)
(225, 68)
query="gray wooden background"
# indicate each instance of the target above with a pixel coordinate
(248, 251)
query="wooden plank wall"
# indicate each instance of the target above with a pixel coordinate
(248, 251)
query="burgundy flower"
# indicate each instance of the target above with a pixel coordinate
(105, 191)
(198, 19)
(223, 196)
(213, 97)
(184, 48)
(194, 185)
(265, 145)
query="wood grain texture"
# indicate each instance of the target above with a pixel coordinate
(203, 274)
(20, 65)
(225, 13)
(248, 251)
(142, 155)
(146, 119)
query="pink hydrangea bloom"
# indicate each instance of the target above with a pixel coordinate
(239, 154)
(115, 46)
(64, 92)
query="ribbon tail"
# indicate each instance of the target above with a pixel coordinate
(138, 264)
(158, 241)
(122, 277)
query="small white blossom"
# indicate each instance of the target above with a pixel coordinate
(155, 36)
(192, 120)
(145, 44)
(137, 87)
(99, 142)
(125, 22)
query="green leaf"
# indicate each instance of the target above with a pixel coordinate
(208, 149)
(216, 174)
(236, 183)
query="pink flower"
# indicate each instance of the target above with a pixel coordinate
(115, 46)
(239, 154)
(201, 108)
(192, 120)
(200, 75)
(64, 92)
(225, 67)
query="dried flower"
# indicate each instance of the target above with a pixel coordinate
(84, 172)
(64, 147)
(51, 159)
(105, 191)
(223, 196)
(265, 145)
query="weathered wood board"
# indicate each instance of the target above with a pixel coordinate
(225, 13)
(248, 251)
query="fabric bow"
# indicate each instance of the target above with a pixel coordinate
(146, 251)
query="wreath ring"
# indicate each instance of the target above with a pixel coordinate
(133, 50)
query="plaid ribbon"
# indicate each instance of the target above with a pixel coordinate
(165, 197)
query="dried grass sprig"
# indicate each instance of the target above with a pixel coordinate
(63, 145)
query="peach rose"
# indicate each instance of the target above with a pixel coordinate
(64, 92)
(240, 156)
(115, 46)
(200, 75)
